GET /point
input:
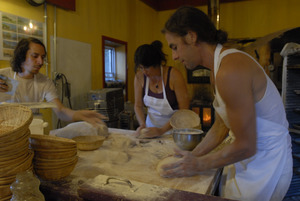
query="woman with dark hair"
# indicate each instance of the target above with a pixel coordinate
(159, 87)
(249, 111)
(33, 86)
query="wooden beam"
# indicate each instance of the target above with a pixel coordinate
(65, 4)
(152, 3)
(174, 4)
(161, 5)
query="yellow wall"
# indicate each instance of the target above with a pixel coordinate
(17, 8)
(136, 23)
(256, 18)
(245, 19)
(127, 20)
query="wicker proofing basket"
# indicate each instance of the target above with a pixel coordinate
(14, 121)
(50, 142)
(89, 142)
(55, 173)
(5, 191)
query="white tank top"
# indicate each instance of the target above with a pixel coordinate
(255, 178)
(274, 112)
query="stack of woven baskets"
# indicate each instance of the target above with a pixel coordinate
(15, 154)
(54, 157)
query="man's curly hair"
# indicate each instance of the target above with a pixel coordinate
(20, 52)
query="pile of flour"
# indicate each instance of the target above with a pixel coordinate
(124, 156)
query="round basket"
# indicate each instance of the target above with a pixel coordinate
(5, 150)
(7, 180)
(14, 121)
(5, 198)
(54, 174)
(55, 160)
(50, 164)
(55, 154)
(88, 143)
(13, 161)
(24, 137)
(52, 142)
(15, 153)
(5, 191)
(20, 166)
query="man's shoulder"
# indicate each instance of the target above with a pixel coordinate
(6, 69)
(42, 76)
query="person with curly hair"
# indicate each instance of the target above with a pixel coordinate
(33, 86)
(249, 111)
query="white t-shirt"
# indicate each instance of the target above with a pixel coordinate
(38, 89)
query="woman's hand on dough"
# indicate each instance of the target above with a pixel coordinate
(150, 132)
(138, 131)
(188, 166)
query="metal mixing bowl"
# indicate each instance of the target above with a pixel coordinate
(187, 138)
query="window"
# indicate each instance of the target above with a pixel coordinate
(110, 64)
(114, 54)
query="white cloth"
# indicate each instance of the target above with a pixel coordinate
(257, 177)
(29, 90)
(81, 128)
(159, 110)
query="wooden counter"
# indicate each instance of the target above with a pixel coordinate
(125, 160)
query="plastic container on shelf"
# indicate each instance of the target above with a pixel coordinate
(37, 126)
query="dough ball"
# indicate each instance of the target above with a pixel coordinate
(120, 142)
(167, 160)
(143, 133)
(102, 130)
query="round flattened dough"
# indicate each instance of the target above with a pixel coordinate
(167, 160)
(185, 119)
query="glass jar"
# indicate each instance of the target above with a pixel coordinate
(26, 187)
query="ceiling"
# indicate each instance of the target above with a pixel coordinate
(161, 5)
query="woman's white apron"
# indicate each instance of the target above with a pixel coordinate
(159, 110)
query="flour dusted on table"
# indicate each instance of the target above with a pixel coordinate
(134, 159)
(131, 190)
(121, 142)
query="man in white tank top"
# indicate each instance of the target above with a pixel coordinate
(257, 163)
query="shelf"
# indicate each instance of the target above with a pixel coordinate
(293, 66)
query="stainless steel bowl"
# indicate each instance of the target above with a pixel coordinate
(187, 138)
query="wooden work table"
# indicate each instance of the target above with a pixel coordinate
(124, 168)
